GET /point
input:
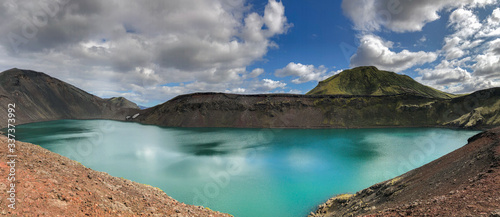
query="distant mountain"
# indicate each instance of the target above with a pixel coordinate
(40, 97)
(368, 80)
(122, 102)
(143, 107)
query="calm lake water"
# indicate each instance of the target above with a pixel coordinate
(246, 172)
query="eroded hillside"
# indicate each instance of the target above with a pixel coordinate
(39, 97)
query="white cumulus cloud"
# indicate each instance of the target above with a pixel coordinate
(268, 85)
(305, 73)
(127, 44)
(374, 51)
(401, 15)
(488, 64)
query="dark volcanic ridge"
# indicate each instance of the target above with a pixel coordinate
(479, 110)
(39, 97)
(465, 182)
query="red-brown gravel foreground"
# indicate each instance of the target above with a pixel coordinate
(465, 182)
(48, 184)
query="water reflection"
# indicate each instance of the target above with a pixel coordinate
(245, 172)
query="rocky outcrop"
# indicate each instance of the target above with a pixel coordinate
(326, 111)
(122, 102)
(39, 97)
(48, 184)
(464, 183)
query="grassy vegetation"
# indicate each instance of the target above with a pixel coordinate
(395, 180)
(368, 80)
(343, 197)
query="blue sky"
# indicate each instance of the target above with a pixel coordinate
(319, 29)
(152, 51)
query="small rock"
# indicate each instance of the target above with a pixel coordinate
(495, 213)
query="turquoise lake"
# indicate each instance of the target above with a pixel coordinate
(246, 172)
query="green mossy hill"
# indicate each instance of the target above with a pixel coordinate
(369, 81)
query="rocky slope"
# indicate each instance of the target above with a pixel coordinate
(368, 80)
(122, 102)
(465, 182)
(48, 184)
(39, 97)
(477, 110)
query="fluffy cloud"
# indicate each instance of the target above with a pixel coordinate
(269, 84)
(492, 26)
(446, 73)
(450, 76)
(465, 25)
(400, 15)
(467, 74)
(472, 54)
(456, 47)
(464, 22)
(488, 64)
(374, 51)
(255, 73)
(469, 58)
(129, 44)
(305, 73)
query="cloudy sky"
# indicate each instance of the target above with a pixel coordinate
(150, 51)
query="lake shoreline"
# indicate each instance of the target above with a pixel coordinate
(324, 154)
(443, 187)
(51, 184)
(278, 128)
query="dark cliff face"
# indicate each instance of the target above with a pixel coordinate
(39, 97)
(477, 110)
